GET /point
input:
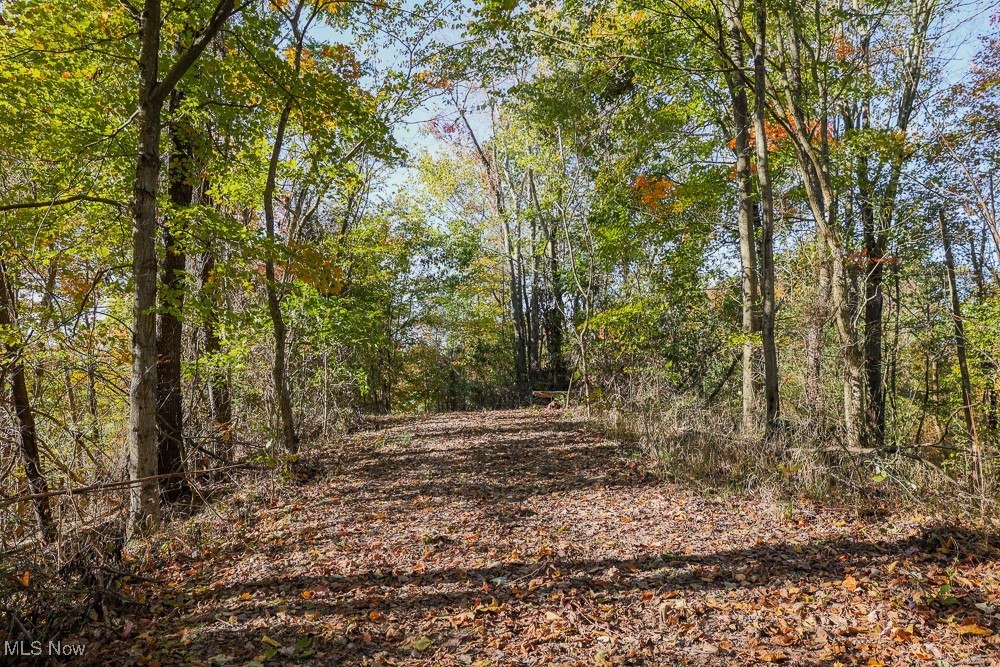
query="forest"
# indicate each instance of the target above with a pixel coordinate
(353, 331)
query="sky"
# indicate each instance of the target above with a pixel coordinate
(960, 39)
(963, 33)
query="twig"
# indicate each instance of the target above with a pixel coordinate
(108, 486)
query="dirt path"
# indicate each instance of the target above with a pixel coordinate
(523, 538)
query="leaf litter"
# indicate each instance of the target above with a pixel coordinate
(525, 538)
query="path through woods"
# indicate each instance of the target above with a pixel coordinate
(524, 538)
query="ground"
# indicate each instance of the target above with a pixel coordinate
(525, 538)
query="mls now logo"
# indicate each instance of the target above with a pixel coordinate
(54, 648)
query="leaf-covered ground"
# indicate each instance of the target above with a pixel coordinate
(524, 538)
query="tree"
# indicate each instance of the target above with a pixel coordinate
(153, 92)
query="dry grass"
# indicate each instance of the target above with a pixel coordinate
(707, 446)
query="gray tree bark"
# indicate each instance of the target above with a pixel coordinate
(731, 39)
(771, 397)
(144, 497)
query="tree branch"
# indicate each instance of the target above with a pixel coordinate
(61, 202)
(223, 11)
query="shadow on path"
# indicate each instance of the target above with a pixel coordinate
(525, 539)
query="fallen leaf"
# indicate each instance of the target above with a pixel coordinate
(970, 627)
(771, 656)
(422, 644)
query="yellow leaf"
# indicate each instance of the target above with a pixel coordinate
(970, 627)
(270, 642)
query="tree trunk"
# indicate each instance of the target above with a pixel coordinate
(169, 339)
(28, 434)
(144, 497)
(517, 313)
(963, 362)
(815, 170)
(986, 363)
(289, 438)
(748, 252)
(814, 334)
(219, 392)
(771, 398)
(534, 304)
(144, 514)
(873, 272)
(554, 314)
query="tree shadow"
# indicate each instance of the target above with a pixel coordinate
(514, 462)
(495, 473)
(368, 603)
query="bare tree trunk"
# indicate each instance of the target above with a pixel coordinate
(27, 432)
(144, 515)
(534, 304)
(517, 311)
(874, 243)
(733, 42)
(963, 362)
(219, 392)
(516, 303)
(554, 315)
(771, 398)
(815, 169)
(290, 438)
(144, 498)
(169, 339)
(814, 335)
(95, 423)
(278, 371)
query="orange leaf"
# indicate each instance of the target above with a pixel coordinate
(25, 578)
(771, 656)
(850, 583)
(786, 639)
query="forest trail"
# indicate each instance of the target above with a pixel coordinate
(524, 538)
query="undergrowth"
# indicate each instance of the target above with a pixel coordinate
(706, 446)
